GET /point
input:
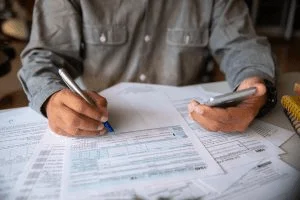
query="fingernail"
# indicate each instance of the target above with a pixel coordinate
(198, 110)
(194, 103)
(190, 108)
(103, 119)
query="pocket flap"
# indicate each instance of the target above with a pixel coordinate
(105, 35)
(187, 37)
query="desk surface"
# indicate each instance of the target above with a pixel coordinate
(276, 116)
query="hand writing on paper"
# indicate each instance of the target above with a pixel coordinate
(231, 119)
(70, 115)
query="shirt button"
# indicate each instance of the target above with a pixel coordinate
(187, 39)
(147, 38)
(102, 38)
(143, 77)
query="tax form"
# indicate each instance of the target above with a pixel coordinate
(271, 179)
(237, 153)
(20, 131)
(151, 144)
(229, 150)
(154, 144)
(42, 176)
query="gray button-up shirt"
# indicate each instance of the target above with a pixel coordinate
(152, 41)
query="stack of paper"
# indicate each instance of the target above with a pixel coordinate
(156, 151)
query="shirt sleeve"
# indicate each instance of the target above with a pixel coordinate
(55, 41)
(236, 47)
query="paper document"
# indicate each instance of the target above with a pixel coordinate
(274, 134)
(174, 190)
(20, 131)
(270, 179)
(156, 151)
(134, 158)
(229, 150)
(42, 176)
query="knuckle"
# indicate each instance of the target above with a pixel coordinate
(81, 108)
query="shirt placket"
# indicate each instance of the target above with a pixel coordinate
(143, 75)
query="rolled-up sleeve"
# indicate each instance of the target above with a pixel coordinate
(54, 42)
(235, 45)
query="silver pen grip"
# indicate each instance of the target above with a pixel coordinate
(73, 86)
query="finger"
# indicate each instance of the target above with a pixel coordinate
(297, 88)
(76, 132)
(192, 105)
(61, 127)
(224, 119)
(210, 125)
(247, 83)
(216, 126)
(73, 119)
(99, 100)
(251, 106)
(57, 130)
(79, 105)
(260, 89)
(213, 113)
(254, 82)
(101, 103)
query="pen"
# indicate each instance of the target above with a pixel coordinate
(76, 89)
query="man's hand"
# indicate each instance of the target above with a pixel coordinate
(231, 119)
(70, 115)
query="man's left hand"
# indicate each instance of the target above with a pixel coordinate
(231, 119)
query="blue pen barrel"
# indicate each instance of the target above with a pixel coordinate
(108, 127)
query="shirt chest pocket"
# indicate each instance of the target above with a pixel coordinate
(109, 35)
(187, 37)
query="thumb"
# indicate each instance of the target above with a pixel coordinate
(254, 82)
(260, 89)
(297, 88)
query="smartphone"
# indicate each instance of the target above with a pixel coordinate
(230, 99)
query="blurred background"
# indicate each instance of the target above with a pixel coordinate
(279, 20)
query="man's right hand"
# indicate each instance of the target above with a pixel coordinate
(70, 115)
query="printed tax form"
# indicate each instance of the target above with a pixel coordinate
(155, 143)
(236, 153)
(20, 132)
(151, 144)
